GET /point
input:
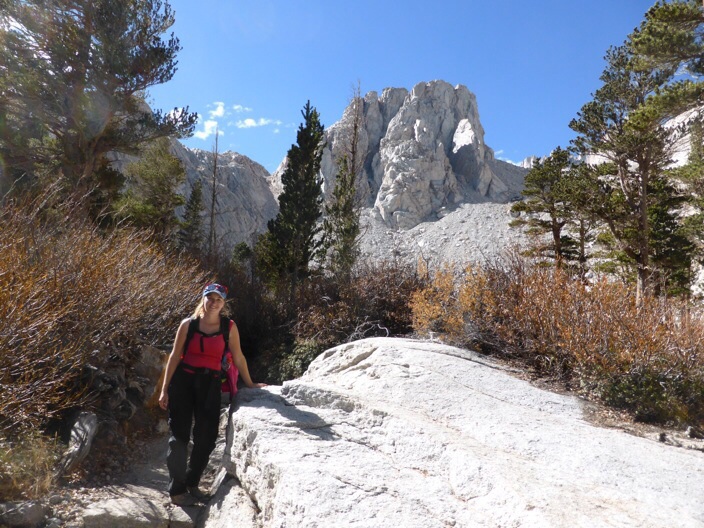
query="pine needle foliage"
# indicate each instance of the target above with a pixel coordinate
(293, 239)
(151, 199)
(191, 235)
(342, 221)
(73, 76)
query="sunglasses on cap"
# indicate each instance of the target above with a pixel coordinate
(215, 288)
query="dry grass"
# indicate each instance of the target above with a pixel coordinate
(648, 359)
(27, 466)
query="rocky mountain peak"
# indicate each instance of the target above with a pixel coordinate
(423, 152)
(423, 156)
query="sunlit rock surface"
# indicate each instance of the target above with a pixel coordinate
(401, 433)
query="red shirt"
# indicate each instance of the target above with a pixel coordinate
(205, 350)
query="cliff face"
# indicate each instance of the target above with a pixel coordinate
(244, 201)
(423, 152)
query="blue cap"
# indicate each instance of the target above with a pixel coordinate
(215, 288)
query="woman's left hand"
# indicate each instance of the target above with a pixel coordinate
(164, 400)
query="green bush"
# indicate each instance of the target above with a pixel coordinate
(295, 364)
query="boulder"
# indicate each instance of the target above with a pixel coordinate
(82, 434)
(394, 432)
(127, 512)
(28, 514)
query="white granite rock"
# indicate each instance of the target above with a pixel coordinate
(127, 512)
(468, 233)
(400, 433)
(245, 202)
(423, 151)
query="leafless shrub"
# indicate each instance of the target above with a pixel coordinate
(73, 295)
(647, 358)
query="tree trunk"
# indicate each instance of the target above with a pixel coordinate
(642, 283)
(79, 445)
(557, 241)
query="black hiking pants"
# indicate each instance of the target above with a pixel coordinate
(193, 394)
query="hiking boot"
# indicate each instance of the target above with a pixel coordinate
(198, 494)
(184, 499)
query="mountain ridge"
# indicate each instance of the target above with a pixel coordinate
(424, 158)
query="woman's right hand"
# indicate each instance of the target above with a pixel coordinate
(164, 400)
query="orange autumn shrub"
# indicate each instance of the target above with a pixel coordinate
(646, 358)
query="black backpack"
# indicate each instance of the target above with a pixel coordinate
(224, 330)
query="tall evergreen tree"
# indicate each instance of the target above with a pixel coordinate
(191, 234)
(342, 221)
(73, 74)
(293, 239)
(341, 224)
(212, 248)
(151, 198)
(672, 250)
(638, 148)
(672, 38)
(691, 175)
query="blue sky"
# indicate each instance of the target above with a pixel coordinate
(250, 66)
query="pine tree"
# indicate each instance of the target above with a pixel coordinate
(293, 239)
(212, 248)
(672, 38)
(151, 198)
(692, 173)
(341, 224)
(191, 234)
(73, 74)
(547, 205)
(691, 177)
(342, 221)
(672, 250)
(638, 149)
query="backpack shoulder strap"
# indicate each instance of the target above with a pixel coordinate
(225, 331)
(192, 329)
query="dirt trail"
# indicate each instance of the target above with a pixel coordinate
(137, 471)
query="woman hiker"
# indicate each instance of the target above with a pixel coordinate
(192, 390)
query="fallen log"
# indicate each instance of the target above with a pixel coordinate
(82, 434)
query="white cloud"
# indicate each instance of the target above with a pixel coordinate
(209, 128)
(516, 163)
(239, 108)
(252, 123)
(219, 110)
(499, 156)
